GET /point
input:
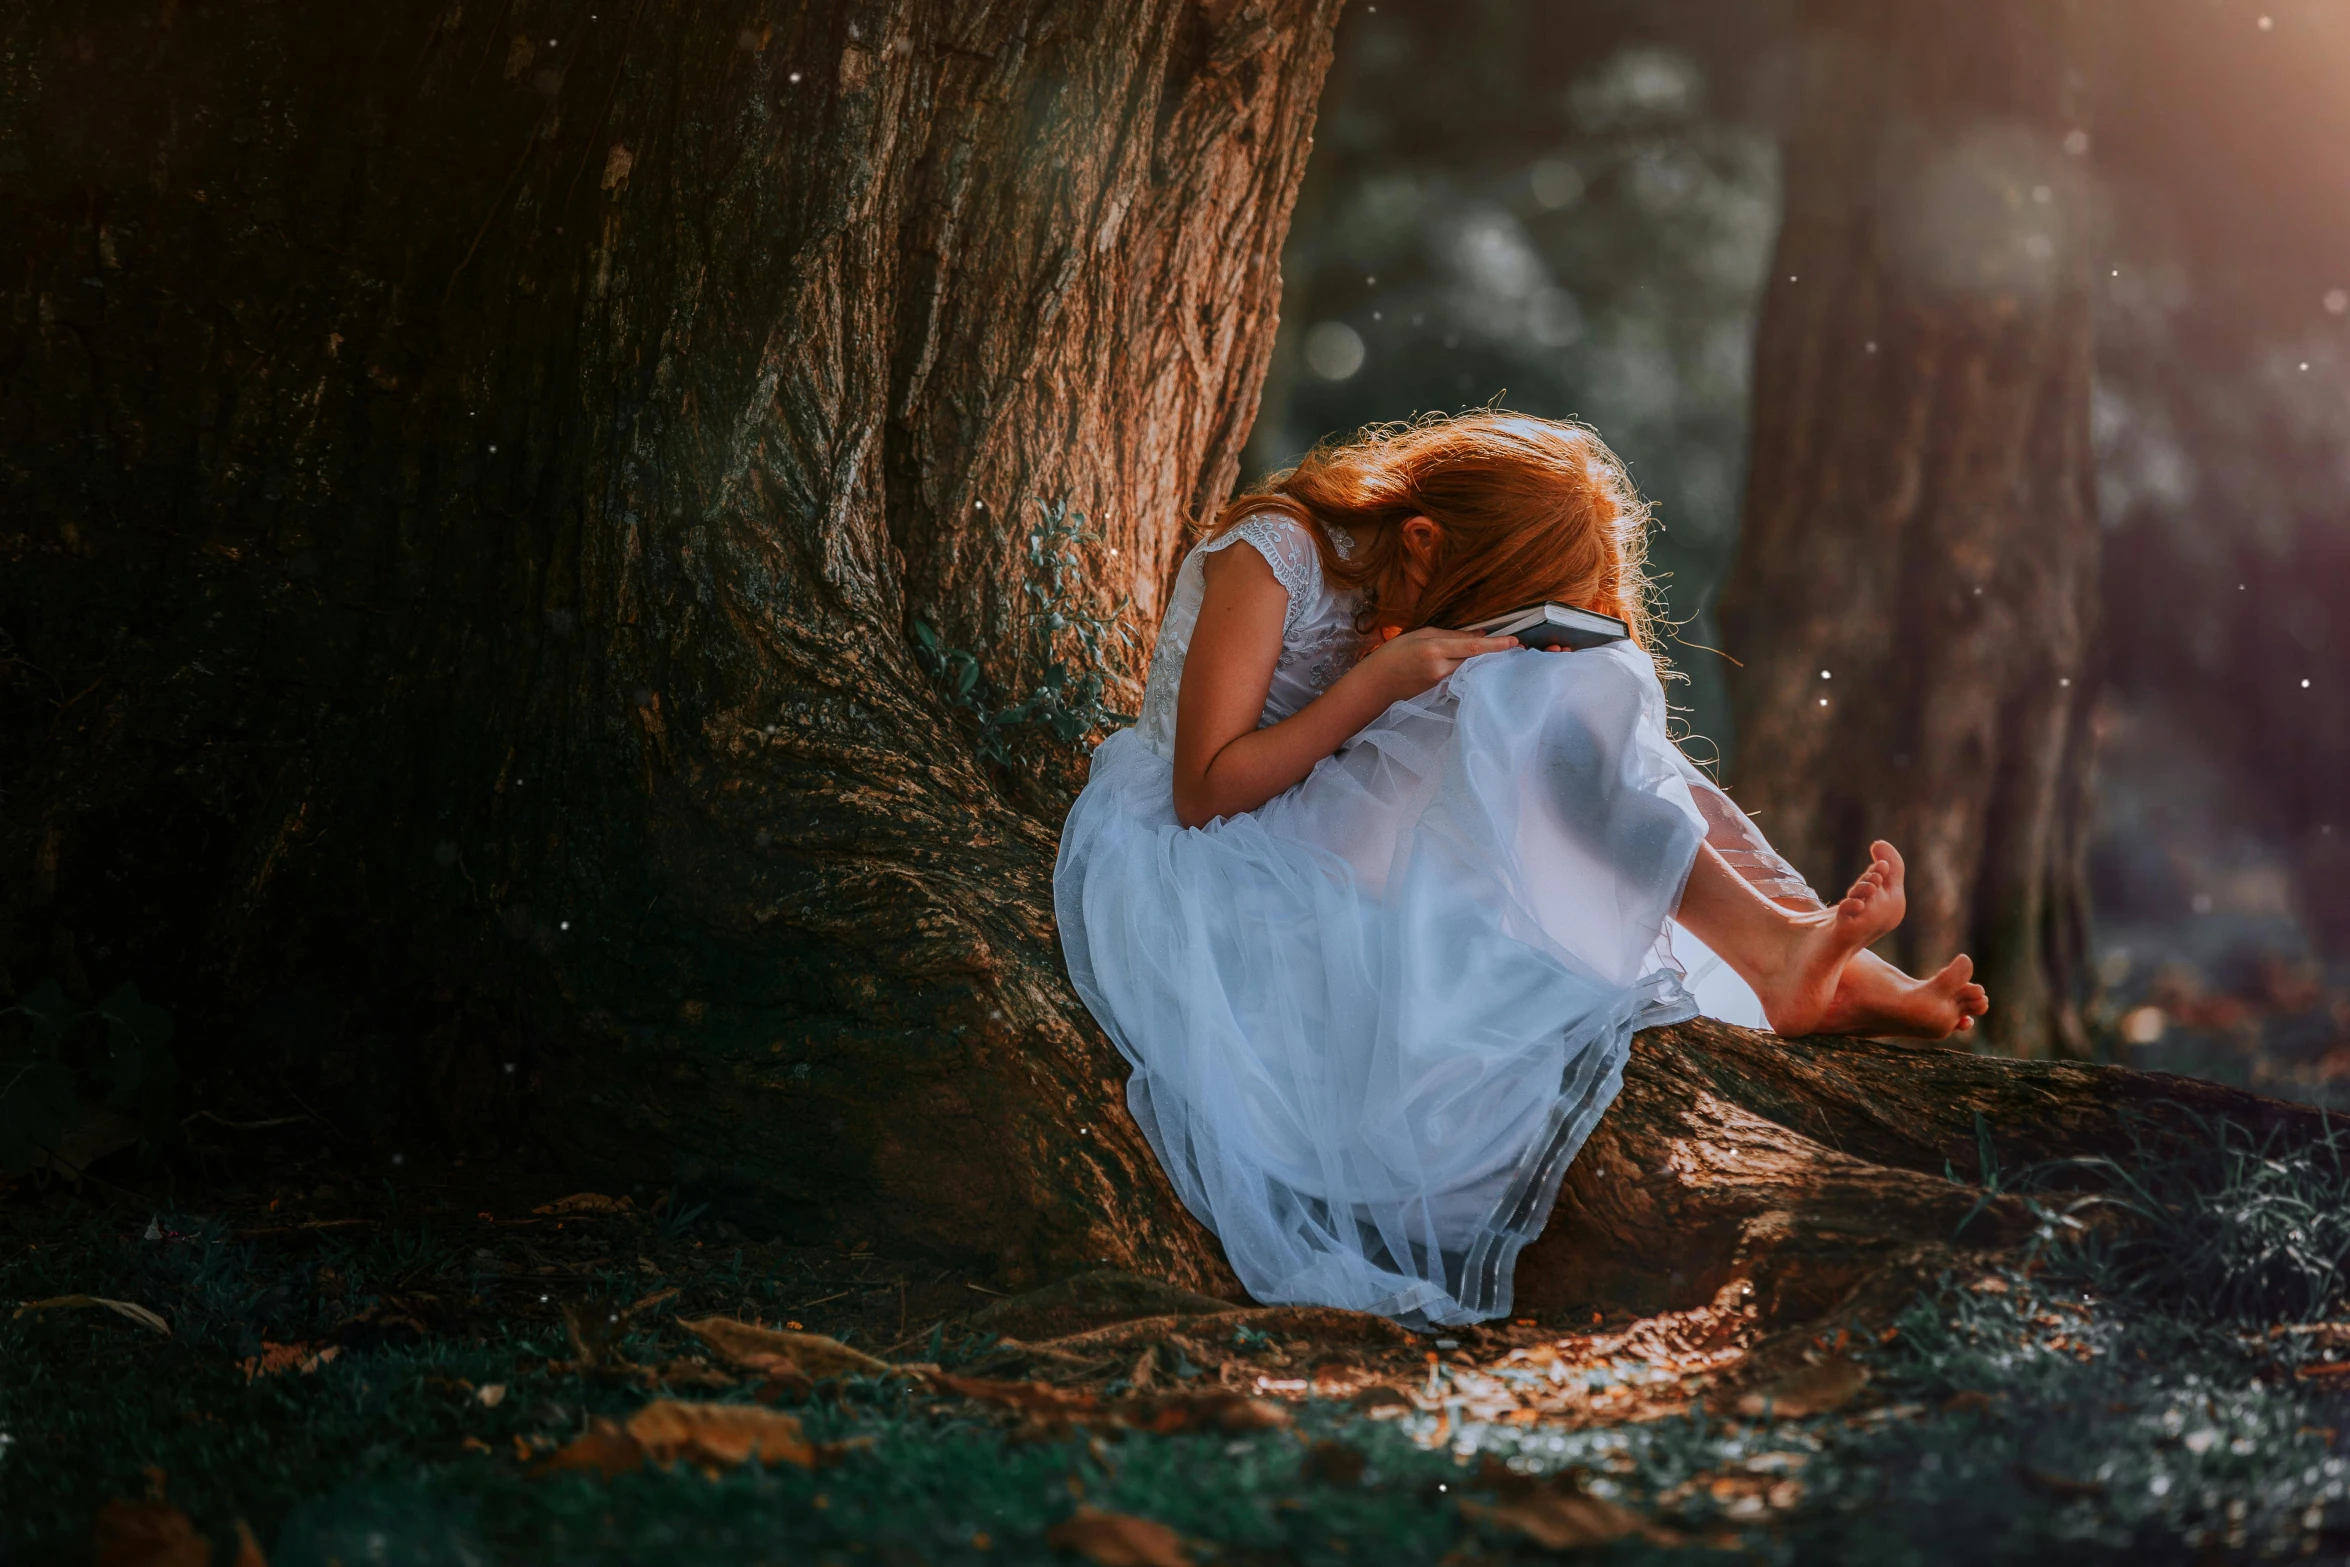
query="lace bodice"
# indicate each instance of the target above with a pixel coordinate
(1318, 637)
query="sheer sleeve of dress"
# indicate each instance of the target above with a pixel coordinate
(1734, 836)
(1297, 566)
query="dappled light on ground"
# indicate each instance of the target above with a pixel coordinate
(484, 1370)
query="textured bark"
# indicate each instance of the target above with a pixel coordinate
(471, 471)
(1832, 1174)
(1920, 519)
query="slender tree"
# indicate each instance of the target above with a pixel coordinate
(1914, 600)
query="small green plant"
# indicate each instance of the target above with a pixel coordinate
(1070, 643)
(61, 1052)
(2227, 1224)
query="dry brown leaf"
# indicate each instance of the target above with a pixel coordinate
(275, 1358)
(1215, 1408)
(755, 1348)
(248, 1549)
(588, 1330)
(147, 1534)
(1117, 1540)
(121, 1308)
(720, 1433)
(1557, 1520)
(1034, 1397)
(1333, 1463)
(490, 1394)
(1321, 1324)
(1808, 1390)
(1195, 1409)
(602, 1448)
(2063, 1487)
(782, 1385)
(584, 1202)
(694, 1372)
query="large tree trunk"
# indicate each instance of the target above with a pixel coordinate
(472, 471)
(1914, 598)
(473, 481)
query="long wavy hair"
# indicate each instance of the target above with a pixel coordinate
(1526, 509)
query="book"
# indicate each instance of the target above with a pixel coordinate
(1553, 625)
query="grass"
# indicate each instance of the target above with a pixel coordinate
(2138, 1394)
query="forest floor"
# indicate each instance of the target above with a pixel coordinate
(305, 1366)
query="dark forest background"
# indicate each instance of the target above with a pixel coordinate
(1572, 207)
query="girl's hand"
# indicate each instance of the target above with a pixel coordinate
(1407, 665)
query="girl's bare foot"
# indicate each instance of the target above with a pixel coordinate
(1876, 1000)
(1798, 990)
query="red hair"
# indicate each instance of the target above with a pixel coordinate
(1526, 509)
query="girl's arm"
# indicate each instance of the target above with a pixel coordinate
(1225, 764)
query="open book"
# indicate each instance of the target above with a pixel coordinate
(1553, 625)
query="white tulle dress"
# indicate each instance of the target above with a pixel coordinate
(1373, 1020)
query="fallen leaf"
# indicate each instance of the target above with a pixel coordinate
(1969, 1400)
(782, 1385)
(588, 1330)
(248, 1548)
(720, 1433)
(1215, 1408)
(1808, 1390)
(121, 1308)
(1322, 1324)
(490, 1394)
(1117, 1540)
(2063, 1487)
(584, 1202)
(696, 1372)
(147, 1534)
(275, 1358)
(1558, 1520)
(1202, 1409)
(1989, 1285)
(1035, 1397)
(1333, 1463)
(603, 1448)
(755, 1348)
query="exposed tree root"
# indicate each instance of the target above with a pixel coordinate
(1836, 1175)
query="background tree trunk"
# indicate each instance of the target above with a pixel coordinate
(1914, 599)
(471, 474)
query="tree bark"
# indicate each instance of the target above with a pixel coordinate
(1832, 1176)
(1914, 599)
(472, 472)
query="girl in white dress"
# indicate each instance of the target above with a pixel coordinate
(1374, 907)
